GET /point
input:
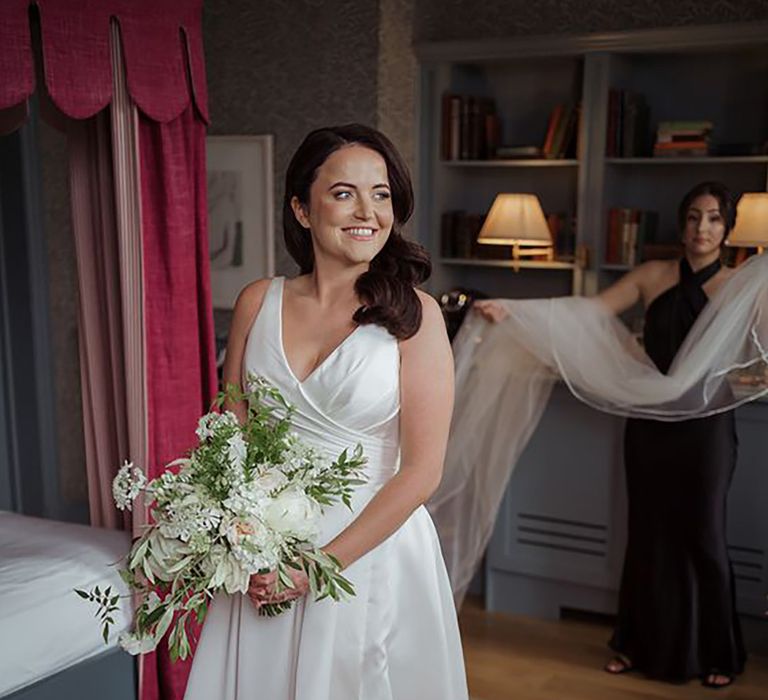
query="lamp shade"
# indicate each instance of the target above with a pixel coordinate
(515, 219)
(751, 228)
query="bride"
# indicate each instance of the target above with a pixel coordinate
(364, 358)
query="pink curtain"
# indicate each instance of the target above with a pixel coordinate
(181, 375)
(102, 373)
(103, 163)
(146, 286)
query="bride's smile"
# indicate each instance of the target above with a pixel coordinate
(349, 213)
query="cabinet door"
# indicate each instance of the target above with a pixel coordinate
(747, 511)
(562, 517)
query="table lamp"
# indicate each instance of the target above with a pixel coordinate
(517, 220)
(751, 229)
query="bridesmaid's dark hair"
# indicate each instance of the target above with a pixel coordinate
(724, 198)
(387, 288)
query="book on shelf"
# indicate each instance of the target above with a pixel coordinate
(562, 131)
(629, 231)
(628, 124)
(562, 228)
(470, 127)
(661, 251)
(458, 234)
(679, 139)
(518, 152)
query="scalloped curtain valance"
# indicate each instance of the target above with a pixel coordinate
(162, 44)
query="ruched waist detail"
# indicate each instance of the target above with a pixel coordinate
(383, 454)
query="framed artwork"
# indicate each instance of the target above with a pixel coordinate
(240, 214)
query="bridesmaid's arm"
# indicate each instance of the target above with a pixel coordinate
(426, 405)
(639, 284)
(246, 309)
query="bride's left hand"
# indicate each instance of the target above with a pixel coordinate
(261, 590)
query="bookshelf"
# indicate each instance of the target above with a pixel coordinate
(569, 480)
(501, 163)
(680, 74)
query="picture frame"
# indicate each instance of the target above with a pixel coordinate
(241, 239)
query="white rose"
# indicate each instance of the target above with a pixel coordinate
(293, 513)
(270, 480)
(164, 552)
(136, 645)
(230, 574)
(237, 529)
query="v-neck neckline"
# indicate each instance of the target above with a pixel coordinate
(316, 369)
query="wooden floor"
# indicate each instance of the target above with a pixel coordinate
(519, 658)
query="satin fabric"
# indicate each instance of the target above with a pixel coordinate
(677, 617)
(398, 638)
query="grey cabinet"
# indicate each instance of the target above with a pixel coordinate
(560, 535)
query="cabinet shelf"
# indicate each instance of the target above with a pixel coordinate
(690, 160)
(522, 264)
(513, 163)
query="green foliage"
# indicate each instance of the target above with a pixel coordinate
(175, 567)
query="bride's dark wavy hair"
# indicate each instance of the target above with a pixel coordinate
(386, 290)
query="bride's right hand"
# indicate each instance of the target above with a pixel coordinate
(490, 309)
(261, 587)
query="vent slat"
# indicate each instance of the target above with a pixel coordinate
(564, 535)
(562, 548)
(561, 521)
(746, 550)
(747, 564)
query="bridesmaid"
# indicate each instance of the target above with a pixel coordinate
(677, 617)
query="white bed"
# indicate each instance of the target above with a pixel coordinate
(44, 626)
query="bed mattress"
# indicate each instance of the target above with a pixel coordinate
(44, 626)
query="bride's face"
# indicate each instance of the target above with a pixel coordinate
(704, 226)
(349, 212)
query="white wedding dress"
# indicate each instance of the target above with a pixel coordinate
(397, 638)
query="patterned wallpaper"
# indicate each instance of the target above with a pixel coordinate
(285, 68)
(436, 20)
(397, 75)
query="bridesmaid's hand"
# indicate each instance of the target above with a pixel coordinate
(262, 588)
(490, 310)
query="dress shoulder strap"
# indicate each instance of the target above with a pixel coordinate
(266, 325)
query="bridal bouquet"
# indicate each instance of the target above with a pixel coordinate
(246, 500)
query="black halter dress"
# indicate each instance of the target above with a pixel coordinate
(677, 616)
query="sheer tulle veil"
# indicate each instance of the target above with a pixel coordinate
(505, 372)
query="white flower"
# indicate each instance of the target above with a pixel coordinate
(205, 426)
(270, 480)
(211, 422)
(237, 451)
(293, 513)
(237, 529)
(127, 485)
(228, 572)
(164, 553)
(134, 644)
